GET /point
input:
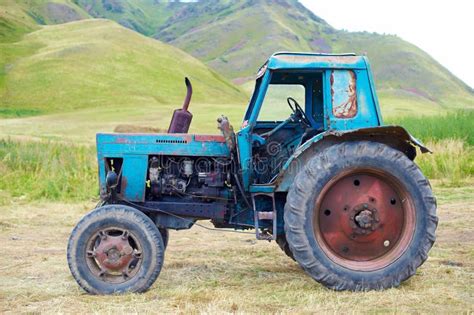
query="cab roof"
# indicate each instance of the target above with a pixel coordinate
(292, 60)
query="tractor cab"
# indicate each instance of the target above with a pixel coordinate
(298, 97)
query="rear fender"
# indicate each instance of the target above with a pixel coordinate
(394, 136)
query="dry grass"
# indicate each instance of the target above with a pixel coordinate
(214, 272)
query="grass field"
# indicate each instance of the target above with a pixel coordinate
(61, 163)
(49, 181)
(216, 272)
(61, 84)
(81, 126)
(97, 64)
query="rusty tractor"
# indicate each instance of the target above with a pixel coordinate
(312, 167)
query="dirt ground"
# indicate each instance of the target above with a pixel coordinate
(215, 272)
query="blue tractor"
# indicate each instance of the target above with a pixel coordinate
(312, 167)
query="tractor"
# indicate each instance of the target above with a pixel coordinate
(312, 168)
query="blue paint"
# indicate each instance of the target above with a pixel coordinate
(373, 92)
(135, 150)
(134, 171)
(118, 145)
(345, 102)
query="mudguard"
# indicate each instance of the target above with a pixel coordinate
(393, 136)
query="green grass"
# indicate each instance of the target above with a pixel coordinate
(452, 162)
(53, 169)
(47, 170)
(451, 138)
(98, 63)
(18, 112)
(453, 125)
(81, 125)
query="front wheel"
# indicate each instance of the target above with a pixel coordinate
(115, 249)
(360, 216)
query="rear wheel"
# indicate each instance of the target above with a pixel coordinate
(360, 216)
(115, 249)
(284, 246)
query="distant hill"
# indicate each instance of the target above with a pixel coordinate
(100, 63)
(92, 63)
(236, 37)
(143, 16)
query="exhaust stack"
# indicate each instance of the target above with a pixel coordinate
(182, 117)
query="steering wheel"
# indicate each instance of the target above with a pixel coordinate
(298, 112)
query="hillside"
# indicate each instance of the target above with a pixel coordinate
(232, 37)
(18, 17)
(143, 16)
(91, 63)
(236, 37)
(249, 31)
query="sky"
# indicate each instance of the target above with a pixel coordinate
(444, 29)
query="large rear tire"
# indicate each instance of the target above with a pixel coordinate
(284, 246)
(115, 249)
(360, 216)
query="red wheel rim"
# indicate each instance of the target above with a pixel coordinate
(364, 219)
(114, 255)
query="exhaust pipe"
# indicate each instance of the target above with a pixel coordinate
(181, 119)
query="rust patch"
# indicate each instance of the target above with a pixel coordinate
(122, 140)
(364, 219)
(343, 93)
(209, 138)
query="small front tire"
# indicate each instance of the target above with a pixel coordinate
(115, 249)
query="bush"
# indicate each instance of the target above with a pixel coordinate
(48, 170)
(452, 162)
(456, 125)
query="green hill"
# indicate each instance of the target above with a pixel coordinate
(95, 63)
(249, 31)
(102, 63)
(143, 16)
(236, 37)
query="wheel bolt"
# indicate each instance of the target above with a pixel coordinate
(386, 243)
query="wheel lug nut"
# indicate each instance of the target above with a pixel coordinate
(386, 243)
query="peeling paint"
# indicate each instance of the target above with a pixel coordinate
(343, 93)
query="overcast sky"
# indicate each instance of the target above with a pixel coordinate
(444, 29)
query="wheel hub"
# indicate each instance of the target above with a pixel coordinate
(361, 219)
(364, 219)
(114, 253)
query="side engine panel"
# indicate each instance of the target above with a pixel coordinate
(203, 179)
